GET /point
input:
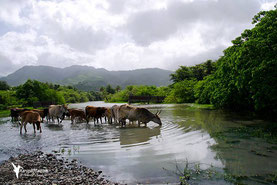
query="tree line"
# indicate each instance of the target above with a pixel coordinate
(33, 91)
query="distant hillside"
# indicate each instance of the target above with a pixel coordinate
(89, 78)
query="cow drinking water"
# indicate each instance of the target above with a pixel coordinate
(142, 115)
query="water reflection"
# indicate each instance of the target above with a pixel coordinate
(132, 136)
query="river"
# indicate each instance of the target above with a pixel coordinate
(156, 154)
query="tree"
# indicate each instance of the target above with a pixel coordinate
(183, 73)
(118, 88)
(4, 85)
(102, 89)
(182, 92)
(109, 89)
(197, 72)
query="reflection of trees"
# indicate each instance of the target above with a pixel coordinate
(130, 136)
(208, 120)
(236, 146)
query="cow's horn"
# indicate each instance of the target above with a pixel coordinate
(159, 112)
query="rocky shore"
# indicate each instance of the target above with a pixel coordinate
(41, 168)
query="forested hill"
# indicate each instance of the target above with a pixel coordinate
(89, 78)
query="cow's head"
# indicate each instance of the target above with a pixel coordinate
(156, 118)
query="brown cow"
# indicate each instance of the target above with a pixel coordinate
(108, 115)
(95, 113)
(32, 118)
(43, 113)
(77, 113)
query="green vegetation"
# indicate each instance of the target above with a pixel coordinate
(192, 173)
(136, 90)
(181, 92)
(34, 91)
(4, 85)
(4, 113)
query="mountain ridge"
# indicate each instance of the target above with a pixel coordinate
(88, 77)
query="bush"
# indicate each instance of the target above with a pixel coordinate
(182, 92)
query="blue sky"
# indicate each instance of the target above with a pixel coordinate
(120, 34)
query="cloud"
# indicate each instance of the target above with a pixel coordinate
(118, 34)
(153, 25)
(6, 65)
(11, 12)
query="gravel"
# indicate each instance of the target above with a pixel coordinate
(47, 168)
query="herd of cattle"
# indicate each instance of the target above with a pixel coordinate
(116, 114)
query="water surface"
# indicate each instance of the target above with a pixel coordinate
(153, 154)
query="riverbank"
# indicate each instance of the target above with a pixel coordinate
(7, 112)
(42, 168)
(4, 113)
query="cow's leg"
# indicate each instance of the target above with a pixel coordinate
(145, 124)
(138, 123)
(72, 118)
(34, 127)
(25, 123)
(115, 120)
(40, 128)
(21, 128)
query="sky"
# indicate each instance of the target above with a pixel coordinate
(120, 34)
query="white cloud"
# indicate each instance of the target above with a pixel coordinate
(268, 5)
(119, 34)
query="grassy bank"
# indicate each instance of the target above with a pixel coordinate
(4, 113)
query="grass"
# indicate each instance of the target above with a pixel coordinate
(4, 113)
(192, 174)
